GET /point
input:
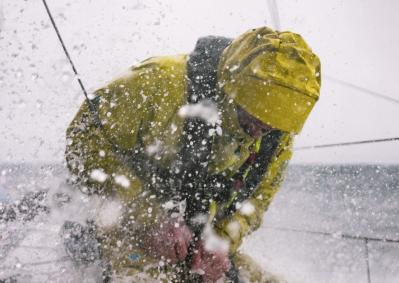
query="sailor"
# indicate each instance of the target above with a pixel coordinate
(193, 148)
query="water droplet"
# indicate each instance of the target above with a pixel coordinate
(20, 103)
(66, 77)
(34, 76)
(19, 73)
(39, 104)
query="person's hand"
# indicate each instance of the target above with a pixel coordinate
(212, 265)
(170, 240)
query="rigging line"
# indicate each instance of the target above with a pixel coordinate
(367, 259)
(346, 143)
(335, 235)
(272, 4)
(61, 259)
(362, 89)
(91, 106)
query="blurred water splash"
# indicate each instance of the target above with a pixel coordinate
(302, 238)
(1, 16)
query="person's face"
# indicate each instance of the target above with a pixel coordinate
(252, 126)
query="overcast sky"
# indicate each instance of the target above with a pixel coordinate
(356, 40)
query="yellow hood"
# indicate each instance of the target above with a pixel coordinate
(273, 75)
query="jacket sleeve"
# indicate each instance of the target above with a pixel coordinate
(133, 111)
(248, 216)
(94, 153)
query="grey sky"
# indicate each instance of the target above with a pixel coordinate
(356, 41)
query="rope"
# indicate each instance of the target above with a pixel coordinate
(367, 257)
(274, 14)
(347, 143)
(91, 105)
(362, 89)
(345, 236)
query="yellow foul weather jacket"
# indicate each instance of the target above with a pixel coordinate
(140, 114)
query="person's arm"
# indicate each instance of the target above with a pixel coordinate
(133, 111)
(94, 153)
(249, 217)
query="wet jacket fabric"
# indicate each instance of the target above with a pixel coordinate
(140, 115)
(139, 112)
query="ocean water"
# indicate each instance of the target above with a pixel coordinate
(335, 223)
